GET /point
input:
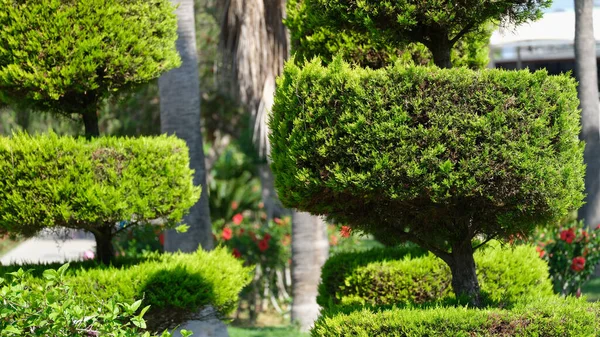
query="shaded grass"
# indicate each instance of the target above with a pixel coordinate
(265, 332)
(592, 289)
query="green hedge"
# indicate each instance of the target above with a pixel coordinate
(49, 181)
(404, 275)
(174, 285)
(428, 154)
(548, 317)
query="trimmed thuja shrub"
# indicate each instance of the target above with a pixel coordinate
(65, 57)
(374, 32)
(175, 286)
(398, 275)
(438, 157)
(549, 317)
(50, 181)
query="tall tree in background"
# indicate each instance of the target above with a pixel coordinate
(179, 92)
(254, 45)
(586, 71)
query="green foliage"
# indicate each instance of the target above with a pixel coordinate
(404, 275)
(374, 32)
(549, 317)
(169, 283)
(313, 34)
(55, 307)
(572, 253)
(433, 156)
(66, 56)
(52, 181)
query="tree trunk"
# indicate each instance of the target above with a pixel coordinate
(586, 71)
(90, 122)
(440, 50)
(104, 248)
(464, 275)
(179, 91)
(273, 207)
(310, 249)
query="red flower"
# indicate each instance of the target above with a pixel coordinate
(598, 226)
(345, 231)
(234, 205)
(333, 240)
(227, 233)
(237, 219)
(540, 251)
(236, 253)
(567, 235)
(263, 245)
(242, 231)
(267, 237)
(278, 221)
(578, 263)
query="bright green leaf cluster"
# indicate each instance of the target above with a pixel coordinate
(175, 286)
(429, 155)
(50, 181)
(401, 275)
(66, 56)
(313, 33)
(53, 307)
(549, 317)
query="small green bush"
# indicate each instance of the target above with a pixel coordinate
(50, 181)
(175, 286)
(54, 308)
(405, 275)
(548, 317)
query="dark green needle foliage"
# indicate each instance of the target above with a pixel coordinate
(50, 181)
(66, 56)
(372, 32)
(433, 156)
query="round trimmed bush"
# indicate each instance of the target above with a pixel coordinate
(404, 275)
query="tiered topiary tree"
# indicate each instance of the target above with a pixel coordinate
(66, 57)
(447, 159)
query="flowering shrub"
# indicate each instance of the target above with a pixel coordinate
(572, 254)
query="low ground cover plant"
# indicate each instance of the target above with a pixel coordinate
(102, 185)
(175, 286)
(408, 275)
(53, 307)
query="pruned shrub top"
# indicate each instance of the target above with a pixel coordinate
(419, 149)
(61, 55)
(47, 180)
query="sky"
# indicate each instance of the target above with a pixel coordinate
(566, 5)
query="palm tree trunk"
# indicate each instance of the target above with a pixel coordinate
(586, 71)
(179, 91)
(310, 249)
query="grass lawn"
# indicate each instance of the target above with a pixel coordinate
(592, 289)
(265, 332)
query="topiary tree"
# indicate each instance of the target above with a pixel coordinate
(372, 32)
(67, 56)
(445, 158)
(50, 181)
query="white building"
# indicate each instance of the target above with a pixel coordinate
(546, 43)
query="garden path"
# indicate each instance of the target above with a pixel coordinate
(51, 247)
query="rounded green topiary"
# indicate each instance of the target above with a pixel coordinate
(50, 181)
(428, 155)
(401, 275)
(67, 56)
